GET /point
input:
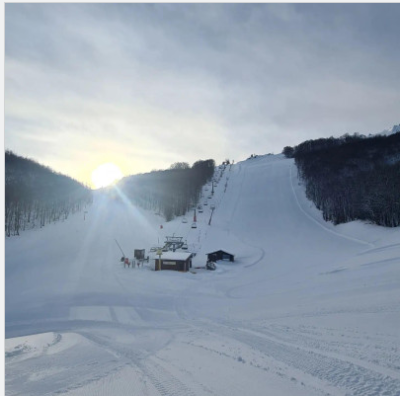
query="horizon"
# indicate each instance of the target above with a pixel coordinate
(101, 174)
(101, 184)
(143, 86)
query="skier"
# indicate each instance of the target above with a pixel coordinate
(126, 262)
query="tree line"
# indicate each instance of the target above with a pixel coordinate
(35, 195)
(170, 192)
(353, 177)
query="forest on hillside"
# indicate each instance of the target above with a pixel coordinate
(170, 192)
(35, 195)
(353, 177)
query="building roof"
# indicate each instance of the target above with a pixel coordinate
(223, 251)
(175, 256)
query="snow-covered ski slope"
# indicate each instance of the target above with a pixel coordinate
(306, 309)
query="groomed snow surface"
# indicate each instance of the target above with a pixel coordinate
(306, 309)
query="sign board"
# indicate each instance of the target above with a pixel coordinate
(169, 262)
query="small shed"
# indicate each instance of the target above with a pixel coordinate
(175, 261)
(220, 255)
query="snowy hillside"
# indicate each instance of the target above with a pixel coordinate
(395, 129)
(306, 308)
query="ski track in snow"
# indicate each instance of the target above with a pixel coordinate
(308, 355)
(162, 380)
(320, 224)
(340, 373)
(304, 310)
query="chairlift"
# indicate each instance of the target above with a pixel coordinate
(205, 203)
(194, 225)
(184, 220)
(201, 210)
(185, 246)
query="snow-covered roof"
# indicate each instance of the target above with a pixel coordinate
(175, 256)
(220, 250)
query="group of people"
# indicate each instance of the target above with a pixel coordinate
(128, 263)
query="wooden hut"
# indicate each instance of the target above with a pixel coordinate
(220, 255)
(175, 261)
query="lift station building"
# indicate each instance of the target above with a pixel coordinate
(176, 261)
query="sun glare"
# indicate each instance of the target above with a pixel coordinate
(106, 174)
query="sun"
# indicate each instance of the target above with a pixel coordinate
(106, 174)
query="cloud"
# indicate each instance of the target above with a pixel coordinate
(178, 82)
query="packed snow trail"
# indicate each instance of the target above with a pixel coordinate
(306, 308)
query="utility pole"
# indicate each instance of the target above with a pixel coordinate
(120, 247)
(212, 211)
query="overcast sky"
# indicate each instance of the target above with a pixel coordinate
(144, 86)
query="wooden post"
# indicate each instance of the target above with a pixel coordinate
(159, 253)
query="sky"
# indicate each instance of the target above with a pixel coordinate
(143, 86)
